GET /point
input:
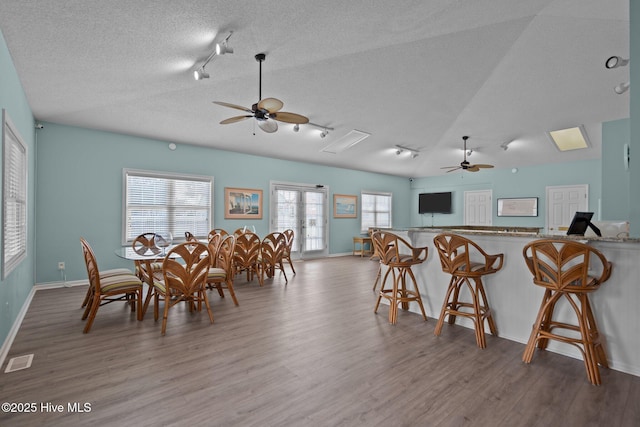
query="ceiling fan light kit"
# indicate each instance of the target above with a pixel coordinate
(266, 111)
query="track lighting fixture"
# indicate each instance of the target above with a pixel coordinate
(296, 127)
(413, 153)
(622, 88)
(200, 74)
(324, 133)
(615, 62)
(221, 49)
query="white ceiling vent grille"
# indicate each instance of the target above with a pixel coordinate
(18, 363)
(346, 142)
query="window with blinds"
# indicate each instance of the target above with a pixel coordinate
(376, 210)
(157, 202)
(14, 197)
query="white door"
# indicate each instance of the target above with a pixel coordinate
(562, 203)
(303, 209)
(478, 207)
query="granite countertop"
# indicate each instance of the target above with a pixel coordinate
(509, 231)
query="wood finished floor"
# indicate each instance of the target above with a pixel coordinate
(310, 353)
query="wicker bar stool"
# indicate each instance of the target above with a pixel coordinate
(456, 253)
(390, 248)
(565, 270)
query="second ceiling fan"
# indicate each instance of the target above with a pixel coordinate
(465, 165)
(265, 111)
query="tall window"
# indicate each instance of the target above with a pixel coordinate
(376, 210)
(14, 197)
(166, 203)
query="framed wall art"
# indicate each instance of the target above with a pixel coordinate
(242, 203)
(345, 206)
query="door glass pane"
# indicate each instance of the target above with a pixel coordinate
(314, 221)
(287, 214)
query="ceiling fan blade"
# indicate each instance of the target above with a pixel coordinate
(483, 166)
(269, 126)
(454, 169)
(289, 117)
(270, 104)
(237, 107)
(234, 119)
(473, 168)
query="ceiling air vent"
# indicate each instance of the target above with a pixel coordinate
(346, 142)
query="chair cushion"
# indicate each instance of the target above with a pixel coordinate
(117, 282)
(216, 273)
(155, 266)
(115, 272)
(475, 266)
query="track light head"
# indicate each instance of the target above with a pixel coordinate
(399, 151)
(615, 62)
(324, 133)
(622, 88)
(200, 74)
(414, 155)
(222, 48)
(296, 127)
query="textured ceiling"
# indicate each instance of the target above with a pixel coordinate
(417, 73)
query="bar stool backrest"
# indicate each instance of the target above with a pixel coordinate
(566, 265)
(463, 257)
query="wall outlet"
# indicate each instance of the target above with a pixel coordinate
(61, 265)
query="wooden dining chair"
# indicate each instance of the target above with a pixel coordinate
(271, 256)
(221, 272)
(568, 271)
(246, 254)
(107, 289)
(222, 232)
(144, 244)
(286, 254)
(184, 272)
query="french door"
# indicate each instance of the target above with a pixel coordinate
(302, 208)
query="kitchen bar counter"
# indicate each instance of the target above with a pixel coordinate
(515, 300)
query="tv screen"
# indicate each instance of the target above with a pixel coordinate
(580, 223)
(434, 202)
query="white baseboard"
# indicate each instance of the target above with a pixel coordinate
(6, 345)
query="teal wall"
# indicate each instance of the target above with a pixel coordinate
(634, 71)
(16, 287)
(526, 182)
(615, 183)
(80, 191)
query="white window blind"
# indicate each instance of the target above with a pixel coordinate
(157, 202)
(376, 210)
(14, 197)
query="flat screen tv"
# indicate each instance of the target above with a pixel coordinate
(580, 222)
(434, 202)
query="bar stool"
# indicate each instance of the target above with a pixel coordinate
(390, 247)
(562, 268)
(455, 257)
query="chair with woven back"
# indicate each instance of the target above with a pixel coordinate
(569, 271)
(246, 254)
(467, 263)
(222, 232)
(143, 244)
(221, 271)
(398, 256)
(271, 256)
(106, 289)
(184, 273)
(286, 254)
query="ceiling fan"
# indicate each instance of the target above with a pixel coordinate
(266, 111)
(465, 165)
